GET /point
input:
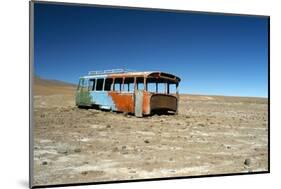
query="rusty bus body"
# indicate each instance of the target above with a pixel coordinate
(140, 93)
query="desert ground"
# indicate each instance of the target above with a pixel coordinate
(210, 135)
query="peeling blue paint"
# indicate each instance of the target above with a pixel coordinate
(102, 99)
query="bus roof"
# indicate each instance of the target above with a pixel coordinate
(148, 74)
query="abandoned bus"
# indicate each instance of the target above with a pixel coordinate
(140, 93)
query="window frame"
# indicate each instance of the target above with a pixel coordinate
(111, 83)
(129, 90)
(93, 88)
(102, 89)
(120, 88)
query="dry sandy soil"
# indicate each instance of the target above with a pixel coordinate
(210, 135)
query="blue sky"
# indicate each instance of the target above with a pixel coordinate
(213, 54)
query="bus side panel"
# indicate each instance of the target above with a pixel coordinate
(85, 98)
(102, 99)
(123, 102)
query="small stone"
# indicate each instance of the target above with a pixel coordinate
(146, 141)
(247, 162)
(84, 172)
(44, 163)
(124, 147)
(108, 126)
(77, 150)
(62, 151)
(201, 125)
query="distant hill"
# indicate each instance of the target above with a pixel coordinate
(39, 80)
(52, 87)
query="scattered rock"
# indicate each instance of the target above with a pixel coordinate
(171, 159)
(247, 162)
(77, 150)
(147, 141)
(125, 114)
(62, 151)
(108, 126)
(201, 124)
(44, 163)
(84, 172)
(124, 147)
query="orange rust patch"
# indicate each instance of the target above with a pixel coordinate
(124, 102)
(146, 102)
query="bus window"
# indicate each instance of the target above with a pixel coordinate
(92, 83)
(129, 84)
(99, 84)
(117, 84)
(172, 88)
(84, 84)
(161, 88)
(108, 83)
(140, 83)
(151, 87)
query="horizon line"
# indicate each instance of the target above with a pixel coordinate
(197, 94)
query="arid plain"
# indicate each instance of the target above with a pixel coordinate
(210, 135)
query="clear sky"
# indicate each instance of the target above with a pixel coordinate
(212, 54)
